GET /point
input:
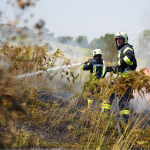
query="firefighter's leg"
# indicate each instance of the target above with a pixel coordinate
(90, 102)
(124, 107)
(106, 105)
(111, 98)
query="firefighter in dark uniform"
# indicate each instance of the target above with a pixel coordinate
(126, 63)
(95, 66)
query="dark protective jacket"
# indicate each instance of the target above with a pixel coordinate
(126, 58)
(95, 66)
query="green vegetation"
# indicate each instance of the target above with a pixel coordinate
(33, 111)
(27, 121)
(27, 36)
(72, 49)
(24, 39)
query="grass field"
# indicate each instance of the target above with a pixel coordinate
(49, 110)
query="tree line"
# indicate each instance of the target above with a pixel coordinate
(106, 42)
(79, 41)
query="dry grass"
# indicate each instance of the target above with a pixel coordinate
(29, 122)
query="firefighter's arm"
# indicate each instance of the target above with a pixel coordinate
(87, 65)
(128, 57)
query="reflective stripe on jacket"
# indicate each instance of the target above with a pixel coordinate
(95, 67)
(126, 59)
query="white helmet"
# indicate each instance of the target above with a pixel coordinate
(96, 52)
(122, 34)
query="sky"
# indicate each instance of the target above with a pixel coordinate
(92, 18)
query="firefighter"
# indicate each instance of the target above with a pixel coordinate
(95, 66)
(126, 63)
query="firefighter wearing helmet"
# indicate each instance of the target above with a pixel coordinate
(126, 63)
(96, 66)
(126, 57)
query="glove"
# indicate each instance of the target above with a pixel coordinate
(84, 62)
(109, 68)
(115, 66)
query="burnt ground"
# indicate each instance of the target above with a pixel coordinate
(61, 131)
(137, 112)
(61, 96)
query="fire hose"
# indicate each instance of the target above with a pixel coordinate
(50, 69)
(108, 69)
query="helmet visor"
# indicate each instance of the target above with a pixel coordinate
(117, 37)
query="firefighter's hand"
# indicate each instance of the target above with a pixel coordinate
(85, 62)
(116, 66)
(109, 68)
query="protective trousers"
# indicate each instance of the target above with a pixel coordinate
(123, 105)
(90, 100)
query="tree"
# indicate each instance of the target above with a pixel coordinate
(108, 46)
(26, 28)
(0, 18)
(144, 42)
(51, 35)
(95, 43)
(45, 30)
(82, 41)
(65, 39)
(144, 46)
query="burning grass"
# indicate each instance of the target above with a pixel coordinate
(29, 122)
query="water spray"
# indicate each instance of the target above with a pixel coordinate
(50, 69)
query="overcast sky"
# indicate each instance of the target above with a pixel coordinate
(92, 18)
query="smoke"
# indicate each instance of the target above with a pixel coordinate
(140, 104)
(143, 49)
(143, 60)
(73, 52)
